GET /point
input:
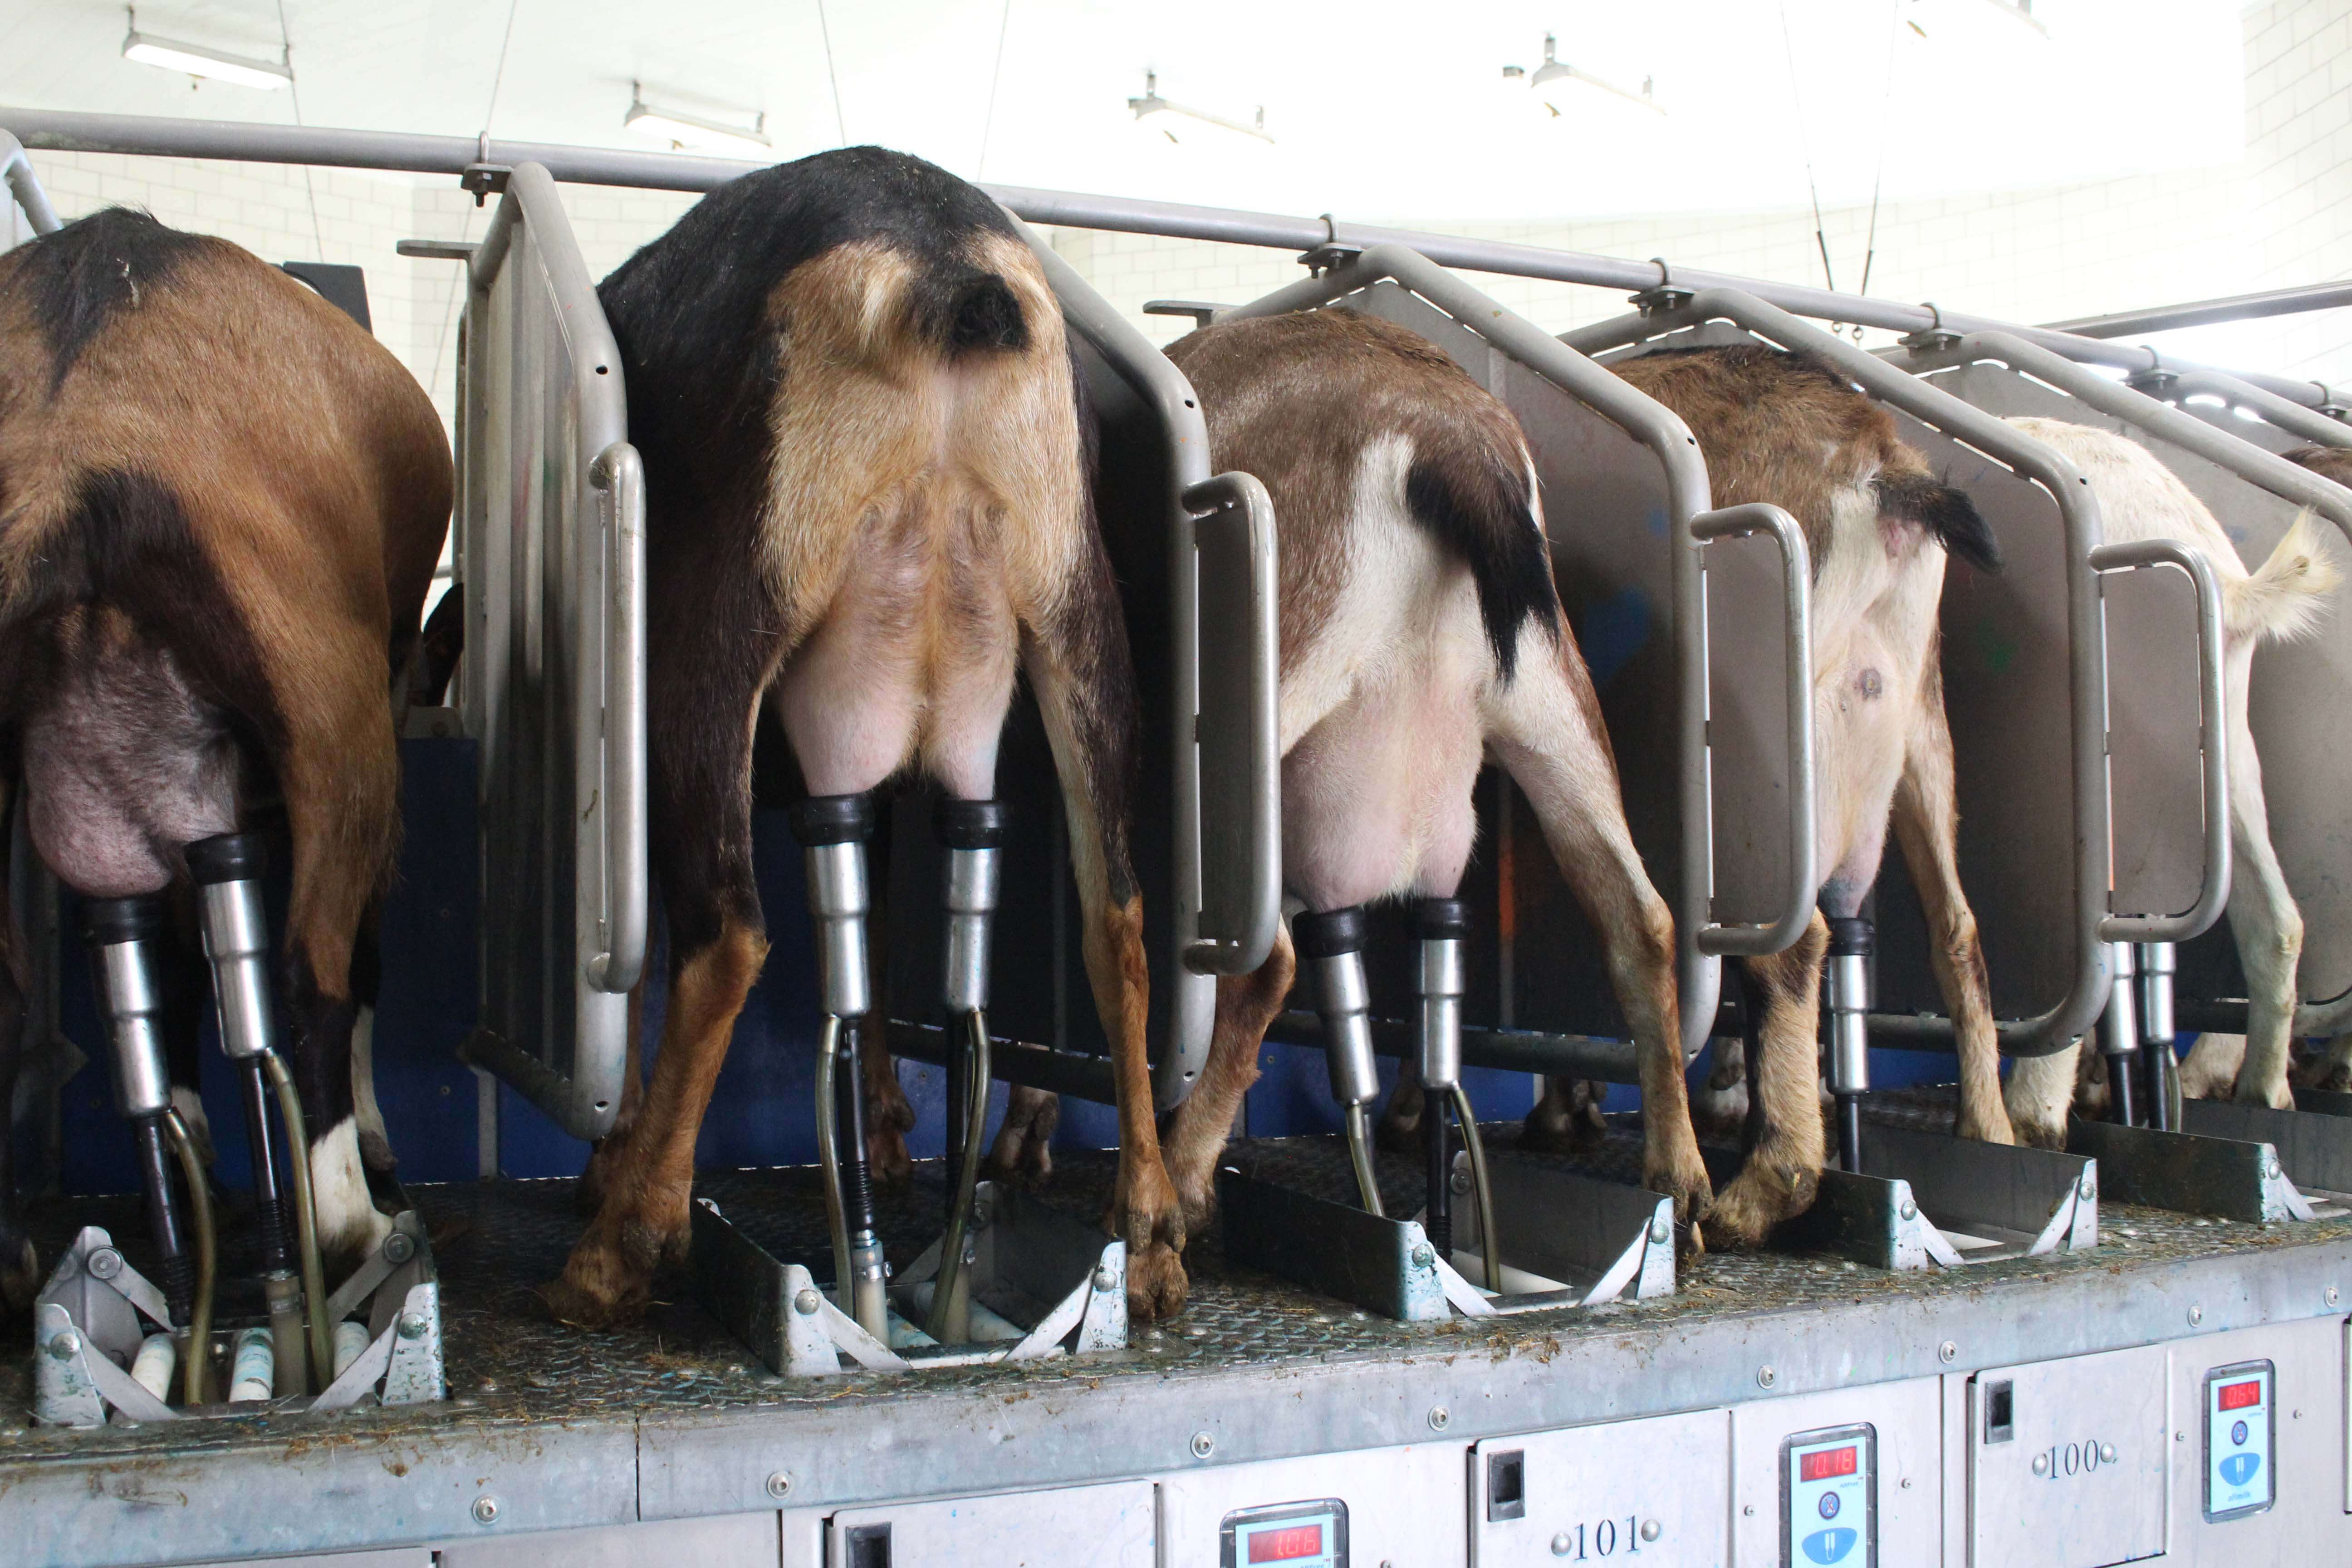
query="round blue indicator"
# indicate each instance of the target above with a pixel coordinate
(2238, 1432)
(1829, 1505)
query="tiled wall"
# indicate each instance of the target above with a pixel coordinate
(2282, 214)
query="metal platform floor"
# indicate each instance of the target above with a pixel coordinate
(674, 1419)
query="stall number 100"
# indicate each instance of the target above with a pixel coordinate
(2058, 1463)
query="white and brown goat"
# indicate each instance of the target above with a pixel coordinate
(867, 509)
(1790, 429)
(1421, 634)
(2140, 497)
(221, 502)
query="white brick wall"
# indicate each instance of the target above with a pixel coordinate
(2281, 215)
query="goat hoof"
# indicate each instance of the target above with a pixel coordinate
(887, 1157)
(20, 1280)
(1758, 1199)
(1155, 1283)
(2037, 1134)
(608, 1279)
(1984, 1131)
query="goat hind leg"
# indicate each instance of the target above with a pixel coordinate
(1783, 1169)
(1245, 1006)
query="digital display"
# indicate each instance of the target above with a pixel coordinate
(1287, 1545)
(2238, 1396)
(1827, 1462)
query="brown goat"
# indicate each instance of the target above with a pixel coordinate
(867, 508)
(1789, 430)
(221, 502)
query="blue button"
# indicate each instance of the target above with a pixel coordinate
(2239, 1469)
(1830, 1545)
(1829, 1505)
(2238, 1432)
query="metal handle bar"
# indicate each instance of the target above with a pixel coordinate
(618, 472)
(1239, 495)
(26, 186)
(2292, 418)
(2213, 891)
(1797, 623)
(1663, 431)
(2087, 662)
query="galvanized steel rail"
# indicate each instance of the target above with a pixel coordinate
(154, 136)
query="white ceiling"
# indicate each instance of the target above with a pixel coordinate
(1381, 110)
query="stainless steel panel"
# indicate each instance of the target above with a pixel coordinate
(1075, 1527)
(1404, 1505)
(725, 1540)
(1660, 1487)
(2307, 1523)
(1906, 1419)
(551, 553)
(400, 1557)
(2075, 1476)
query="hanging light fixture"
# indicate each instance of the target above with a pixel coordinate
(1550, 80)
(1151, 103)
(195, 60)
(682, 130)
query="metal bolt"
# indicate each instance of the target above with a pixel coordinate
(1203, 1445)
(1440, 1418)
(780, 1485)
(399, 1246)
(2271, 1168)
(2331, 1295)
(1907, 1209)
(1748, 1511)
(1103, 1277)
(2196, 1316)
(2089, 1186)
(1660, 1228)
(2181, 1437)
(1424, 1256)
(2106, 1453)
(1906, 1483)
(806, 1302)
(2041, 1464)
(1649, 1530)
(103, 1263)
(486, 1511)
(412, 1326)
(1460, 1182)
(1766, 1377)
(1947, 1353)
(66, 1346)
(1561, 1544)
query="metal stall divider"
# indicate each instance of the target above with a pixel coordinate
(2259, 493)
(1192, 551)
(1561, 1238)
(551, 559)
(1921, 1198)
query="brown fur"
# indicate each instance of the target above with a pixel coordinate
(298, 487)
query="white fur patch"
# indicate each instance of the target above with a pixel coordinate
(348, 1220)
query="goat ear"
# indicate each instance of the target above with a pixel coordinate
(1942, 510)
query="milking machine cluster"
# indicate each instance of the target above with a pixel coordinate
(975, 1294)
(109, 1338)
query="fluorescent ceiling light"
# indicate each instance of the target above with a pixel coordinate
(197, 60)
(681, 130)
(1551, 78)
(1151, 103)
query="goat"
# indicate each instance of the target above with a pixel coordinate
(2140, 497)
(1789, 428)
(867, 505)
(1421, 631)
(221, 502)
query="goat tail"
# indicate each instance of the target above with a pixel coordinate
(1482, 507)
(2283, 597)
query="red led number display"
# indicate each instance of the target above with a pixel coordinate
(1827, 1463)
(2238, 1395)
(1287, 1545)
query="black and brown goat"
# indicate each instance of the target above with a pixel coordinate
(221, 502)
(868, 508)
(1789, 430)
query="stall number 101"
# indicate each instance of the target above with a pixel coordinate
(1605, 1539)
(2059, 1461)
